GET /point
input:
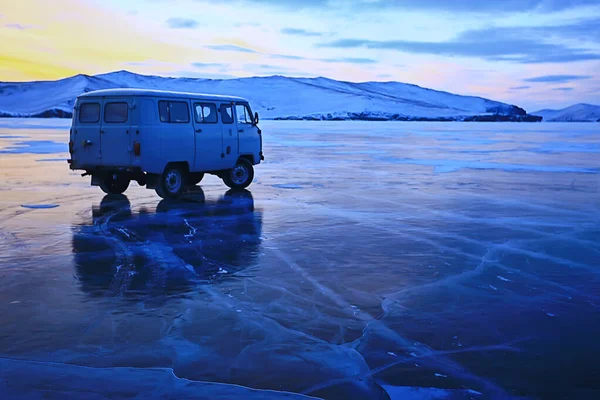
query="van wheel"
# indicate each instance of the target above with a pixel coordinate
(114, 184)
(240, 176)
(171, 183)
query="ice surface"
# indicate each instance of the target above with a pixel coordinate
(28, 380)
(36, 147)
(363, 282)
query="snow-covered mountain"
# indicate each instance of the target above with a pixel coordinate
(575, 113)
(274, 97)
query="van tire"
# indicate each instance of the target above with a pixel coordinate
(109, 185)
(172, 182)
(240, 176)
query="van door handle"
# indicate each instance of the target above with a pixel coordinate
(198, 130)
(240, 130)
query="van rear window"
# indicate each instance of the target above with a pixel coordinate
(174, 111)
(115, 112)
(89, 113)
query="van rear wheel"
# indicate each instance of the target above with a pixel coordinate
(240, 176)
(114, 184)
(172, 182)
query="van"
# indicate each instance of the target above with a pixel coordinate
(164, 140)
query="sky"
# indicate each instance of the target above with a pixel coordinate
(532, 53)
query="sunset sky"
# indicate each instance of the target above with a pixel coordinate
(534, 53)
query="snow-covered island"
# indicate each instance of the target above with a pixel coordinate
(274, 97)
(576, 113)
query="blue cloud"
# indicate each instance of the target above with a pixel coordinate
(207, 65)
(466, 6)
(18, 26)
(557, 78)
(520, 87)
(477, 6)
(230, 47)
(352, 60)
(524, 45)
(182, 23)
(563, 89)
(300, 32)
(286, 57)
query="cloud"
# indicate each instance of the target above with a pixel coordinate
(584, 29)
(182, 23)
(287, 4)
(351, 60)
(463, 6)
(557, 78)
(286, 57)
(563, 89)
(200, 75)
(520, 87)
(523, 45)
(230, 47)
(300, 32)
(245, 24)
(477, 6)
(207, 65)
(18, 26)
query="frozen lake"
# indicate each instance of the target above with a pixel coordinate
(366, 261)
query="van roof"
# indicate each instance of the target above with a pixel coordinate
(158, 93)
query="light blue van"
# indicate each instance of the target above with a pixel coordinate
(163, 140)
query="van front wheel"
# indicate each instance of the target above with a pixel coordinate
(240, 176)
(171, 183)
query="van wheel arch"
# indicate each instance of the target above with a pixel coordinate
(240, 176)
(173, 180)
(248, 157)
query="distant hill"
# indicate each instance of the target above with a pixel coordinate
(575, 113)
(274, 97)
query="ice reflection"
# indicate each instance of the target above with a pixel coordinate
(168, 250)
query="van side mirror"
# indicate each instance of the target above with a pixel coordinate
(255, 118)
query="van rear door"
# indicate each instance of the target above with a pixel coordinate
(85, 133)
(115, 132)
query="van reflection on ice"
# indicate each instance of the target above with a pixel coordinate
(181, 244)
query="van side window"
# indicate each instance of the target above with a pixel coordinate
(206, 113)
(226, 114)
(115, 112)
(89, 113)
(174, 111)
(243, 114)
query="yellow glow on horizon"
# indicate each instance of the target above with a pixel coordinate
(67, 37)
